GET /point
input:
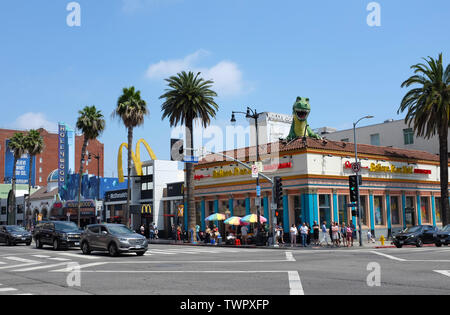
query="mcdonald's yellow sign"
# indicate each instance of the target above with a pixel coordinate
(136, 158)
(146, 209)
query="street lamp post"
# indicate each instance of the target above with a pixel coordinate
(97, 157)
(253, 114)
(358, 208)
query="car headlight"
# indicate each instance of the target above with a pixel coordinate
(63, 235)
(123, 240)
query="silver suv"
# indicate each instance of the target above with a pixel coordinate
(113, 238)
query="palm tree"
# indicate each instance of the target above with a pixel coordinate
(131, 110)
(91, 123)
(189, 97)
(34, 145)
(428, 108)
(17, 145)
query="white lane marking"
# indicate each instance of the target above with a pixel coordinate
(39, 267)
(22, 260)
(388, 256)
(7, 289)
(295, 284)
(79, 256)
(2, 263)
(68, 269)
(289, 256)
(184, 271)
(41, 256)
(137, 262)
(160, 252)
(59, 259)
(443, 272)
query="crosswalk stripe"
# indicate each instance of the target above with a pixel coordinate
(41, 256)
(79, 256)
(7, 289)
(69, 269)
(39, 267)
(21, 259)
(59, 259)
(443, 272)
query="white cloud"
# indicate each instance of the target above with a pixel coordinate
(227, 77)
(32, 120)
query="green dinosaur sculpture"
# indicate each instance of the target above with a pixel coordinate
(299, 123)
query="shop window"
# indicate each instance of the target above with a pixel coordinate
(239, 208)
(223, 206)
(210, 209)
(342, 206)
(324, 208)
(298, 210)
(363, 208)
(408, 136)
(3, 210)
(410, 211)
(437, 206)
(375, 139)
(379, 210)
(395, 210)
(198, 213)
(425, 209)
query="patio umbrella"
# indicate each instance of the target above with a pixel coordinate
(253, 218)
(216, 217)
(235, 221)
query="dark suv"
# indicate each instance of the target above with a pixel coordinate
(416, 235)
(443, 236)
(113, 238)
(13, 234)
(59, 234)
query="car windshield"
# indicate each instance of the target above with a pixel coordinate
(413, 229)
(13, 228)
(119, 229)
(446, 228)
(66, 226)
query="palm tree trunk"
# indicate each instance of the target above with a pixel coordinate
(83, 153)
(29, 190)
(12, 202)
(443, 154)
(130, 147)
(190, 179)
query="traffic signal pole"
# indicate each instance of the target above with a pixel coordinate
(358, 208)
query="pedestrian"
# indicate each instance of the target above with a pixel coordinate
(324, 233)
(370, 238)
(142, 230)
(316, 230)
(344, 234)
(308, 236)
(152, 231)
(155, 229)
(178, 233)
(207, 235)
(304, 231)
(353, 231)
(244, 234)
(335, 234)
(293, 233)
(349, 235)
(197, 231)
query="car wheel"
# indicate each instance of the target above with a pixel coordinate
(112, 249)
(8, 242)
(398, 245)
(140, 253)
(28, 243)
(38, 243)
(419, 243)
(85, 248)
(55, 244)
(438, 244)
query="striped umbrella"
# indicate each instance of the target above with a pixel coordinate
(253, 218)
(234, 221)
(216, 217)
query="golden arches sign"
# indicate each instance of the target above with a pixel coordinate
(136, 158)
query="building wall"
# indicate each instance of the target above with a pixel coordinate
(391, 134)
(48, 160)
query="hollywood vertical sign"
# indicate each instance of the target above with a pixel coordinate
(61, 155)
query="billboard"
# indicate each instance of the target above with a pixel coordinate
(66, 153)
(22, 167)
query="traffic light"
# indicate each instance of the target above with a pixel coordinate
(278, 190)
(352, 182)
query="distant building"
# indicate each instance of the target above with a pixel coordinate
(271, 127)
(391, 133)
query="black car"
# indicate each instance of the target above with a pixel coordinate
(443, 236)
(59, 234)
(13, 235)
(416, 235)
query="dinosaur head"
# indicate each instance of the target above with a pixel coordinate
(301, 108)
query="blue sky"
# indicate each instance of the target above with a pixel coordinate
(260, 53)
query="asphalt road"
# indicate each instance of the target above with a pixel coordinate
(175, 270)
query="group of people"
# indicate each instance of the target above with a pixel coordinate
(152, 231)
(337, 235)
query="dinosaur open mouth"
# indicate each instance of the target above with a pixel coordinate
(301, 114)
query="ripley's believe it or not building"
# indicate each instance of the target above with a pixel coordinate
(400, 187)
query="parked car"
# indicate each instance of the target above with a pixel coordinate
(14, 234)
(443, 236)
(59, 234)
(113, 238)
(416, 235)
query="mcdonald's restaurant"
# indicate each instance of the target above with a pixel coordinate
(400, 188)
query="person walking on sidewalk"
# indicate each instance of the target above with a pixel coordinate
(349, 235)
(353, 231)
(344, 234)
(316, 230)
(304, 231)
(335, 234)
(293, 232)
(324, 233)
